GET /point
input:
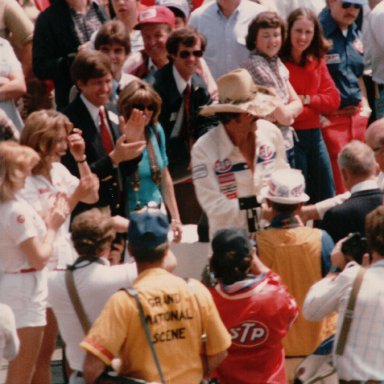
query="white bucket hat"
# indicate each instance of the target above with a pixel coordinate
(239, 94)
(287, 186)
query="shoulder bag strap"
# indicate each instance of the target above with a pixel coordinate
(133, 293)
(76, 302)
(348, 316)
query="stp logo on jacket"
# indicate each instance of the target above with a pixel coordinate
(249, 334)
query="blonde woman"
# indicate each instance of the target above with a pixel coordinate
(50, 133)
(26, 243)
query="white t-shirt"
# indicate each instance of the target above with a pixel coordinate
(95, 283)
(19, 222)
(40, 193)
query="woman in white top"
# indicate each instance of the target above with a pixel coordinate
(49, 133)
(26, 244)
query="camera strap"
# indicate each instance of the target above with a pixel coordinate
(348, 315)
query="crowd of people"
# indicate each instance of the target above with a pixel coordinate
(259, 122)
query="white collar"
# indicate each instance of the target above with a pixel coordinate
(151, 65)
(364, 185)
(180, 82)
(92, 109)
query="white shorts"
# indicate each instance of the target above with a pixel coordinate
(26, 294)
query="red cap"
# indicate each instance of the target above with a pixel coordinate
(158, 14)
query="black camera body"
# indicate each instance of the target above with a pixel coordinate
(355, 246)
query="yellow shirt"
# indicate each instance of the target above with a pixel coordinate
(173, 317)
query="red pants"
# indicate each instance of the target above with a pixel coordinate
(340, 131)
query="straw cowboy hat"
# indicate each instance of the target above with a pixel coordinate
(239, 94)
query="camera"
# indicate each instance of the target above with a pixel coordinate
(355, 246)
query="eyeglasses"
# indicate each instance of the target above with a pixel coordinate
(142, 107)
(186, 54)
(347, 4)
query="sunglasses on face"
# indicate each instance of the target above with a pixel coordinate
(142, 107)
(346, 4)
(186, 54)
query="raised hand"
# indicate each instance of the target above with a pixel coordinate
(76, 144)
(134, 127)
(125, 150)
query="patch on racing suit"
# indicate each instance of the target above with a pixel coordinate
(225, 173)
(199, 172)
(266, 153)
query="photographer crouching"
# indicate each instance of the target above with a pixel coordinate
(361, 361)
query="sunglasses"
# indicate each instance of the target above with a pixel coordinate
(186, 54)
(142, 107)
(347, 4)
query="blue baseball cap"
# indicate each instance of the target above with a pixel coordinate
(148, 229)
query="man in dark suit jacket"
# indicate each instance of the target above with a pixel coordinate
(110, 161)
(180, 112)
(57, 39)
(359, 169)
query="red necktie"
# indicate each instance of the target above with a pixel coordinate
(105, 134)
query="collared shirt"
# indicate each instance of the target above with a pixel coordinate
(373, 33)
(270, 72)
(86, 24)
(221, 175)
(364, 185)
(364, 351)
(180, 82)
(344, 59)
(226, 48)
(93, 111)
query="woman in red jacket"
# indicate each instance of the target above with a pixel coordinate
(303, 54)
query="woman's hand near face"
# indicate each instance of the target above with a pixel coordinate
(76, 144)
(134, 127)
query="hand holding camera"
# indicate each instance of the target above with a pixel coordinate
(354, 247)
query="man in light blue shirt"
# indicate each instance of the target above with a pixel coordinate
(225, 25)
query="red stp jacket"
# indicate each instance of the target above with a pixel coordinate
(257, 317)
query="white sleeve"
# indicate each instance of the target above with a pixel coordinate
(376, 27)
(323, 206)
(324, 297)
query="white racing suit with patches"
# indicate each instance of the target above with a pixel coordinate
(222, 178)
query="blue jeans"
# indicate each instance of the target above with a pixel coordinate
(379, 103)
(311, 156)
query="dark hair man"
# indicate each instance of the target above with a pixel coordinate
(112, 148)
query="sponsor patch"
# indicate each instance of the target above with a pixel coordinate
(358, 44)
(222, 166)
(199, 172)
(333, 58)
(227, 184)
(20, 219)
(249, 334)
